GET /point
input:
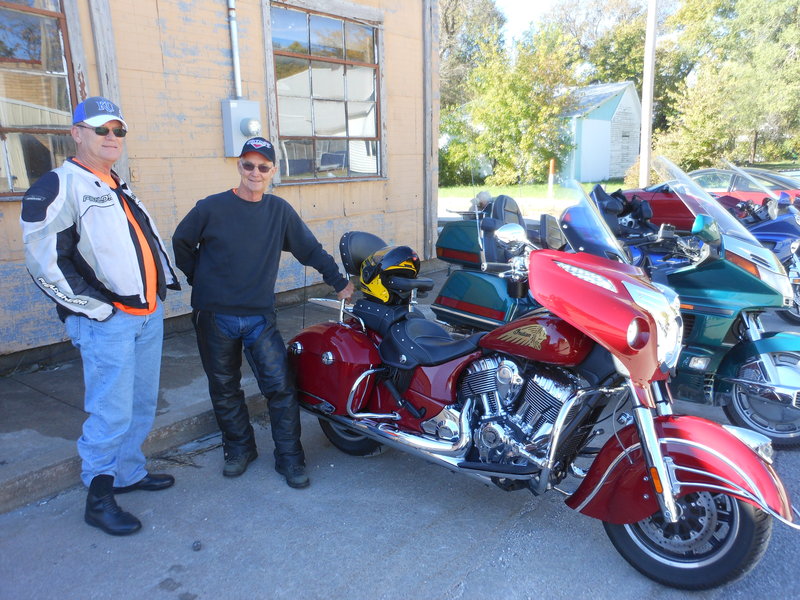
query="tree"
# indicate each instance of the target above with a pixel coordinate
(611, 38)
(462, 25)
(518, 101)
(743, 100)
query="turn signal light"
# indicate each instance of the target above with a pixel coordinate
(743, 263)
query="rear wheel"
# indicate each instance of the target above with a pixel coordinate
(349, 441)
(717, 539)
(778, 421)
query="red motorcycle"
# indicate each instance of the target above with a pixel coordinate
(687, 502)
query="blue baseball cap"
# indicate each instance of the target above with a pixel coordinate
(260, 145)
(96, 111)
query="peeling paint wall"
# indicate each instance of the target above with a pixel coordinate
(174, 69)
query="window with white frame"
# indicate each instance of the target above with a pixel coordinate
(327, 78)
(35, 96)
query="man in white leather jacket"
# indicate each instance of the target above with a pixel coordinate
(93, 249)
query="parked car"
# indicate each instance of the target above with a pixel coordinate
(728, 186)
(727, 182)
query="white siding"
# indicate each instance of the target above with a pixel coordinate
(594, 151)
(624, 136)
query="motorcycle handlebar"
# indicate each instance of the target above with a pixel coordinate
(493, 267)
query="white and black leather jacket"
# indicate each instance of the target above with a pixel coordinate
(78, 244)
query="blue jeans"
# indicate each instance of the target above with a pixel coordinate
(121, 367)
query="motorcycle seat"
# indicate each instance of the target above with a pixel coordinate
(380, 317)
(410, 343)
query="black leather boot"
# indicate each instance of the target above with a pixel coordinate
(103, 512)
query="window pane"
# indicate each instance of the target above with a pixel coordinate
(30, 157)
(714, 181)
(360, 83)
(294, 116)
(34, 100)
(327, 80)
(327, 38)
(361, 119)
(363, 157)
(30, 42)
(51, 5)
(289, 30)
(297, 159)
(293, 76)
(360, 43)
(329, 118)
(331, 158)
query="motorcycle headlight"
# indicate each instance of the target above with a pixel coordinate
(664, 306)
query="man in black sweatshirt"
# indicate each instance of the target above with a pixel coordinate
(229, 246)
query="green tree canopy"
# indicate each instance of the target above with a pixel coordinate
(743, 98)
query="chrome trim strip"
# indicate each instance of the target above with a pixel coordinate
(394, 416)
(456, 313)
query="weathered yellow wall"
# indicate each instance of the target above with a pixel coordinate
(175, 68)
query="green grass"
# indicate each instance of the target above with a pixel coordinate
(518, 191)
(787, 165)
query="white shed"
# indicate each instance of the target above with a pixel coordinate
(605, 131)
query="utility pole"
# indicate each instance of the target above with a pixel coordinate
(648, 79)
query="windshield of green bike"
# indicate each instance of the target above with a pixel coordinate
(697, 200)
(582, 224)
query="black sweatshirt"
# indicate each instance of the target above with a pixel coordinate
(230, 249)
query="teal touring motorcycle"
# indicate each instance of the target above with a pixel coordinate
(725, 279)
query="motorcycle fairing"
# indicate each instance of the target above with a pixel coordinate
(609, 314)
(780, 341)
(701, 456)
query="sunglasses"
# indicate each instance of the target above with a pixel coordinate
(248, 166)
(118, 131)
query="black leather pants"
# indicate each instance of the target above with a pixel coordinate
(222, 361)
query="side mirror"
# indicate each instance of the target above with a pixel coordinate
(774, 208)
(706, 229)
(550, 233)
(512, 237)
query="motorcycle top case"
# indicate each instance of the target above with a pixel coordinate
(326, 360)
(458, 243)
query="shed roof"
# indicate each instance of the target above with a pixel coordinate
(593, 96)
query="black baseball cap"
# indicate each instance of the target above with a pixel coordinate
(260, 145)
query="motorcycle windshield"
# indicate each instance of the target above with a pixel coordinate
(583, 226)
(698, 201)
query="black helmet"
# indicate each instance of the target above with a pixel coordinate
(390, 261)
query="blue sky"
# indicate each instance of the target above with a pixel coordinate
(520, 13)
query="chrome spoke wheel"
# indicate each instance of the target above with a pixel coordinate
(778, 421)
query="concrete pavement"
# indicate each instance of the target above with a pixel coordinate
(41, 408)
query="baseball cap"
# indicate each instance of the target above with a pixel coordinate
(96, 111)
(260, 145)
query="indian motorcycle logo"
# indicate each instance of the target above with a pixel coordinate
(530, 335)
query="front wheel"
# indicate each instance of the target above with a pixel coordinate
(717, 539)
(349, 441)
(778, 421)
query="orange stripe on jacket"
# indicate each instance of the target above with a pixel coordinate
(150, 272)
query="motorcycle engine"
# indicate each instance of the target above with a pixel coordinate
(517, 413)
